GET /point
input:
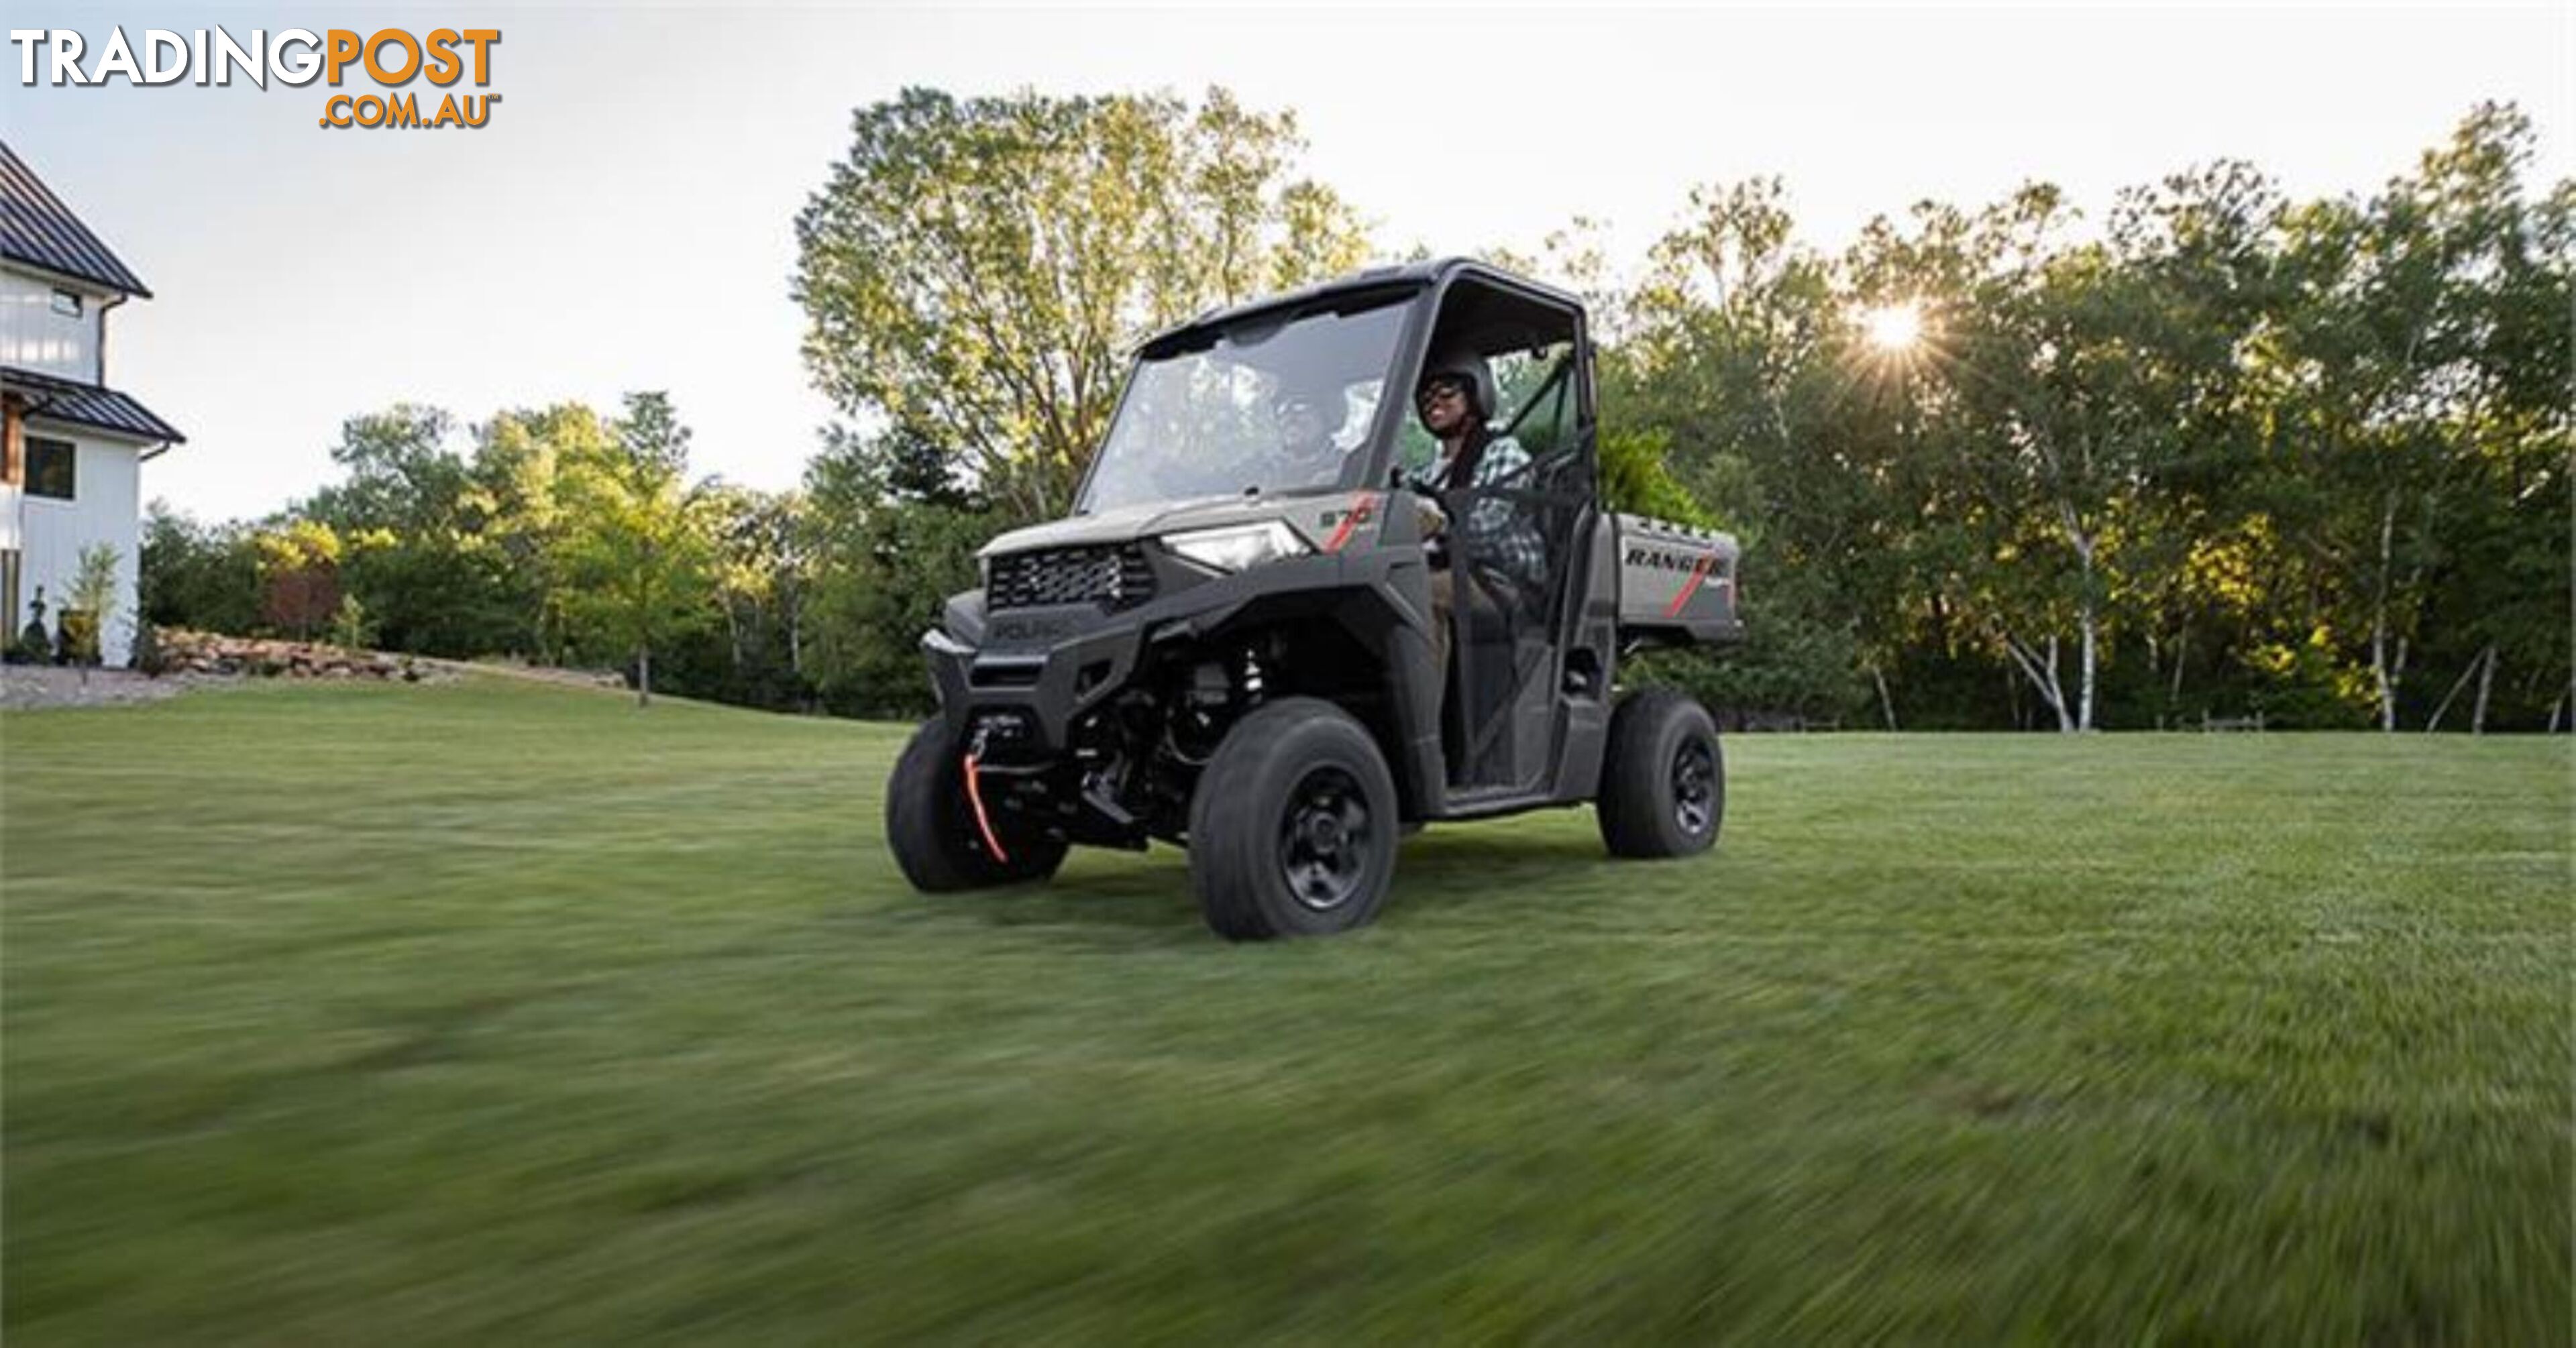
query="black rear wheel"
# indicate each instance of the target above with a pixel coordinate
(1663, 779)
(930, 824)
(1293, 825)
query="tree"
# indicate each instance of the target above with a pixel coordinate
(763, 573)
(973, 269)
(426, 581)
(516, 507)
(1738, 347)
(2176, 443)
(198, 576)
(892, 539)
(399, 472)
(2414, 366)
(637, 545)
(299, 570)
(2201, 249)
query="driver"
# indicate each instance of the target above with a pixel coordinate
(1454, 400)
(1309, 417)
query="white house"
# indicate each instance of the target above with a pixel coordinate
(71, 475)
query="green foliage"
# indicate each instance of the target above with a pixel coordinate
(93, 588)
(892, 543)
(560, 536)
(426, 572)
(763, 572)
(299, 567)
(90, 604)
(1795, 663)
(352, 629)
(2212, 452)
(76, 637)
(1634, 479)
(974, 269)
(198, 576)
(2226, 453)
(522, 516)
(638, 551)
(2302, 683)
(147, 656)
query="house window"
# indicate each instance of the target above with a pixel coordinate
(49, 468)
(67, 303)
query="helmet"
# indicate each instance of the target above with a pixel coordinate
(1463, 364)
(1330, 400)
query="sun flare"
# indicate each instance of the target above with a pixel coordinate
(1893, 327)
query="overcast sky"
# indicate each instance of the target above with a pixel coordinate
(624, 221)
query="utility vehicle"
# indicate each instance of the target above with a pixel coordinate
(1230, 644)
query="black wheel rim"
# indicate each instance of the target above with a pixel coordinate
(1694, 786)
(1325, 837)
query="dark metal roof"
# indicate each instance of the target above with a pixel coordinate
(38, 229)
(1397, 277)
(58, 399)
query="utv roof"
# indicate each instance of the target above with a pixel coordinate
(1387, 280)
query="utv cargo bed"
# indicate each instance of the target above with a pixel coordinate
(1676, 584)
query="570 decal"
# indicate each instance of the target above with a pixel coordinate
(1342, 522)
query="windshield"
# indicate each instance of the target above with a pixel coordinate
(1267, 406)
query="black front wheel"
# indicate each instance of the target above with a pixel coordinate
(1663, 779)
(931, 825)
(1293, 825)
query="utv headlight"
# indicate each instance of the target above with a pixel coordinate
(1237, 546)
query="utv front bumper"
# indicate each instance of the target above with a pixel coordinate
(1018, 699)
(1022, 677)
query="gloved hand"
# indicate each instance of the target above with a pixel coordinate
(1428, 514)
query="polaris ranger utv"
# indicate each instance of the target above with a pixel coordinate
(1231, 644)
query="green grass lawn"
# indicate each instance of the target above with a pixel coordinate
(494, 1012)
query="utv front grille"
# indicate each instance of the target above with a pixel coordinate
(1112, 577)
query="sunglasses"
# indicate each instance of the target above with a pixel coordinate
(1437, 392)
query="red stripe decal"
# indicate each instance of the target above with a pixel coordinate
(1359, 511)
(983, 824)
(1691, 586)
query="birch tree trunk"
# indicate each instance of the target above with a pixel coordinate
(2042, 675)
(2173, 699)
(2486, 682)
(2084, 717)
(796, 631)
(2397, 672)
(2434, 722)
(2087, 624)
(2381, 675)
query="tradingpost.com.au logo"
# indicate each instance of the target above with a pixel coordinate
(392, 57)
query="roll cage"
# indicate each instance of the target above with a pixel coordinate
(1454, 300)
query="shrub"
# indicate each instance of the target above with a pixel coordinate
(76, 637)
(92, 601)
(351, 627)
(148, 656)
(33, 646)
